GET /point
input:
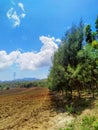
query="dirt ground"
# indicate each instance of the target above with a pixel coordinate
(30, 109)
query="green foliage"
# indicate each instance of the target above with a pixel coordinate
(94, 36)
(95, 125)
(68, 128)
(66, 55)
(37, 83)
(62, 129)
(88, 34)
(69, 109)
(0, 87)
(75, 66)
(96, 24)
(95, 44)
(23, 84)
(89, 123)
(72, 43)
(57, 78)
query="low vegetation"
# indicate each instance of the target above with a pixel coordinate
(23, 84)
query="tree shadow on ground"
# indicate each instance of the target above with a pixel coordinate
(63, 104)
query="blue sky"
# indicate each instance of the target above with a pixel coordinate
(30, 31)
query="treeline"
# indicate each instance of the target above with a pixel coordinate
(75, 64)
(23, 84)
(37, 83)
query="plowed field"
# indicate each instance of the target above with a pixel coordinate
(28, 109)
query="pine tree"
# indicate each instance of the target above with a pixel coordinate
(96, 24)
(88, 34)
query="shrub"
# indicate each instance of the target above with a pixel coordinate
(69, 109)
(89, 123)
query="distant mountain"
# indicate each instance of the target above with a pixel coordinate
(27, 79)
(22, 79)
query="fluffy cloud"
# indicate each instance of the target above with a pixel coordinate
(6, 60)
(14, 17)
(31, 60)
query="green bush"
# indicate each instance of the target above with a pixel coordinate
(89, 123)
(95, 125)
(69, 109)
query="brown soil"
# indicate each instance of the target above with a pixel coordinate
(30, 109)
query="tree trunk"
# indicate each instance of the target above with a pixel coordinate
(93, 91)
(93, 94)
(71, 92)
(79, 95)
(66, 92)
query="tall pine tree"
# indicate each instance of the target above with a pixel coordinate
(88, 34)
(96, 24)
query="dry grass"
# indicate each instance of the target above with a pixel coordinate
(85, 111)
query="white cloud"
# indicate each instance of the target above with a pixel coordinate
(10, 13)
(21, 6)
(31, 60)
(22, 15)
(58, 40)
(14, 17)
(6, 60)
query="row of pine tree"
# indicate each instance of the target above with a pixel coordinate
(75, 64)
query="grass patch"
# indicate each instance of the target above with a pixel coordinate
(87, 123)
(69, 109)
(86, 113)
